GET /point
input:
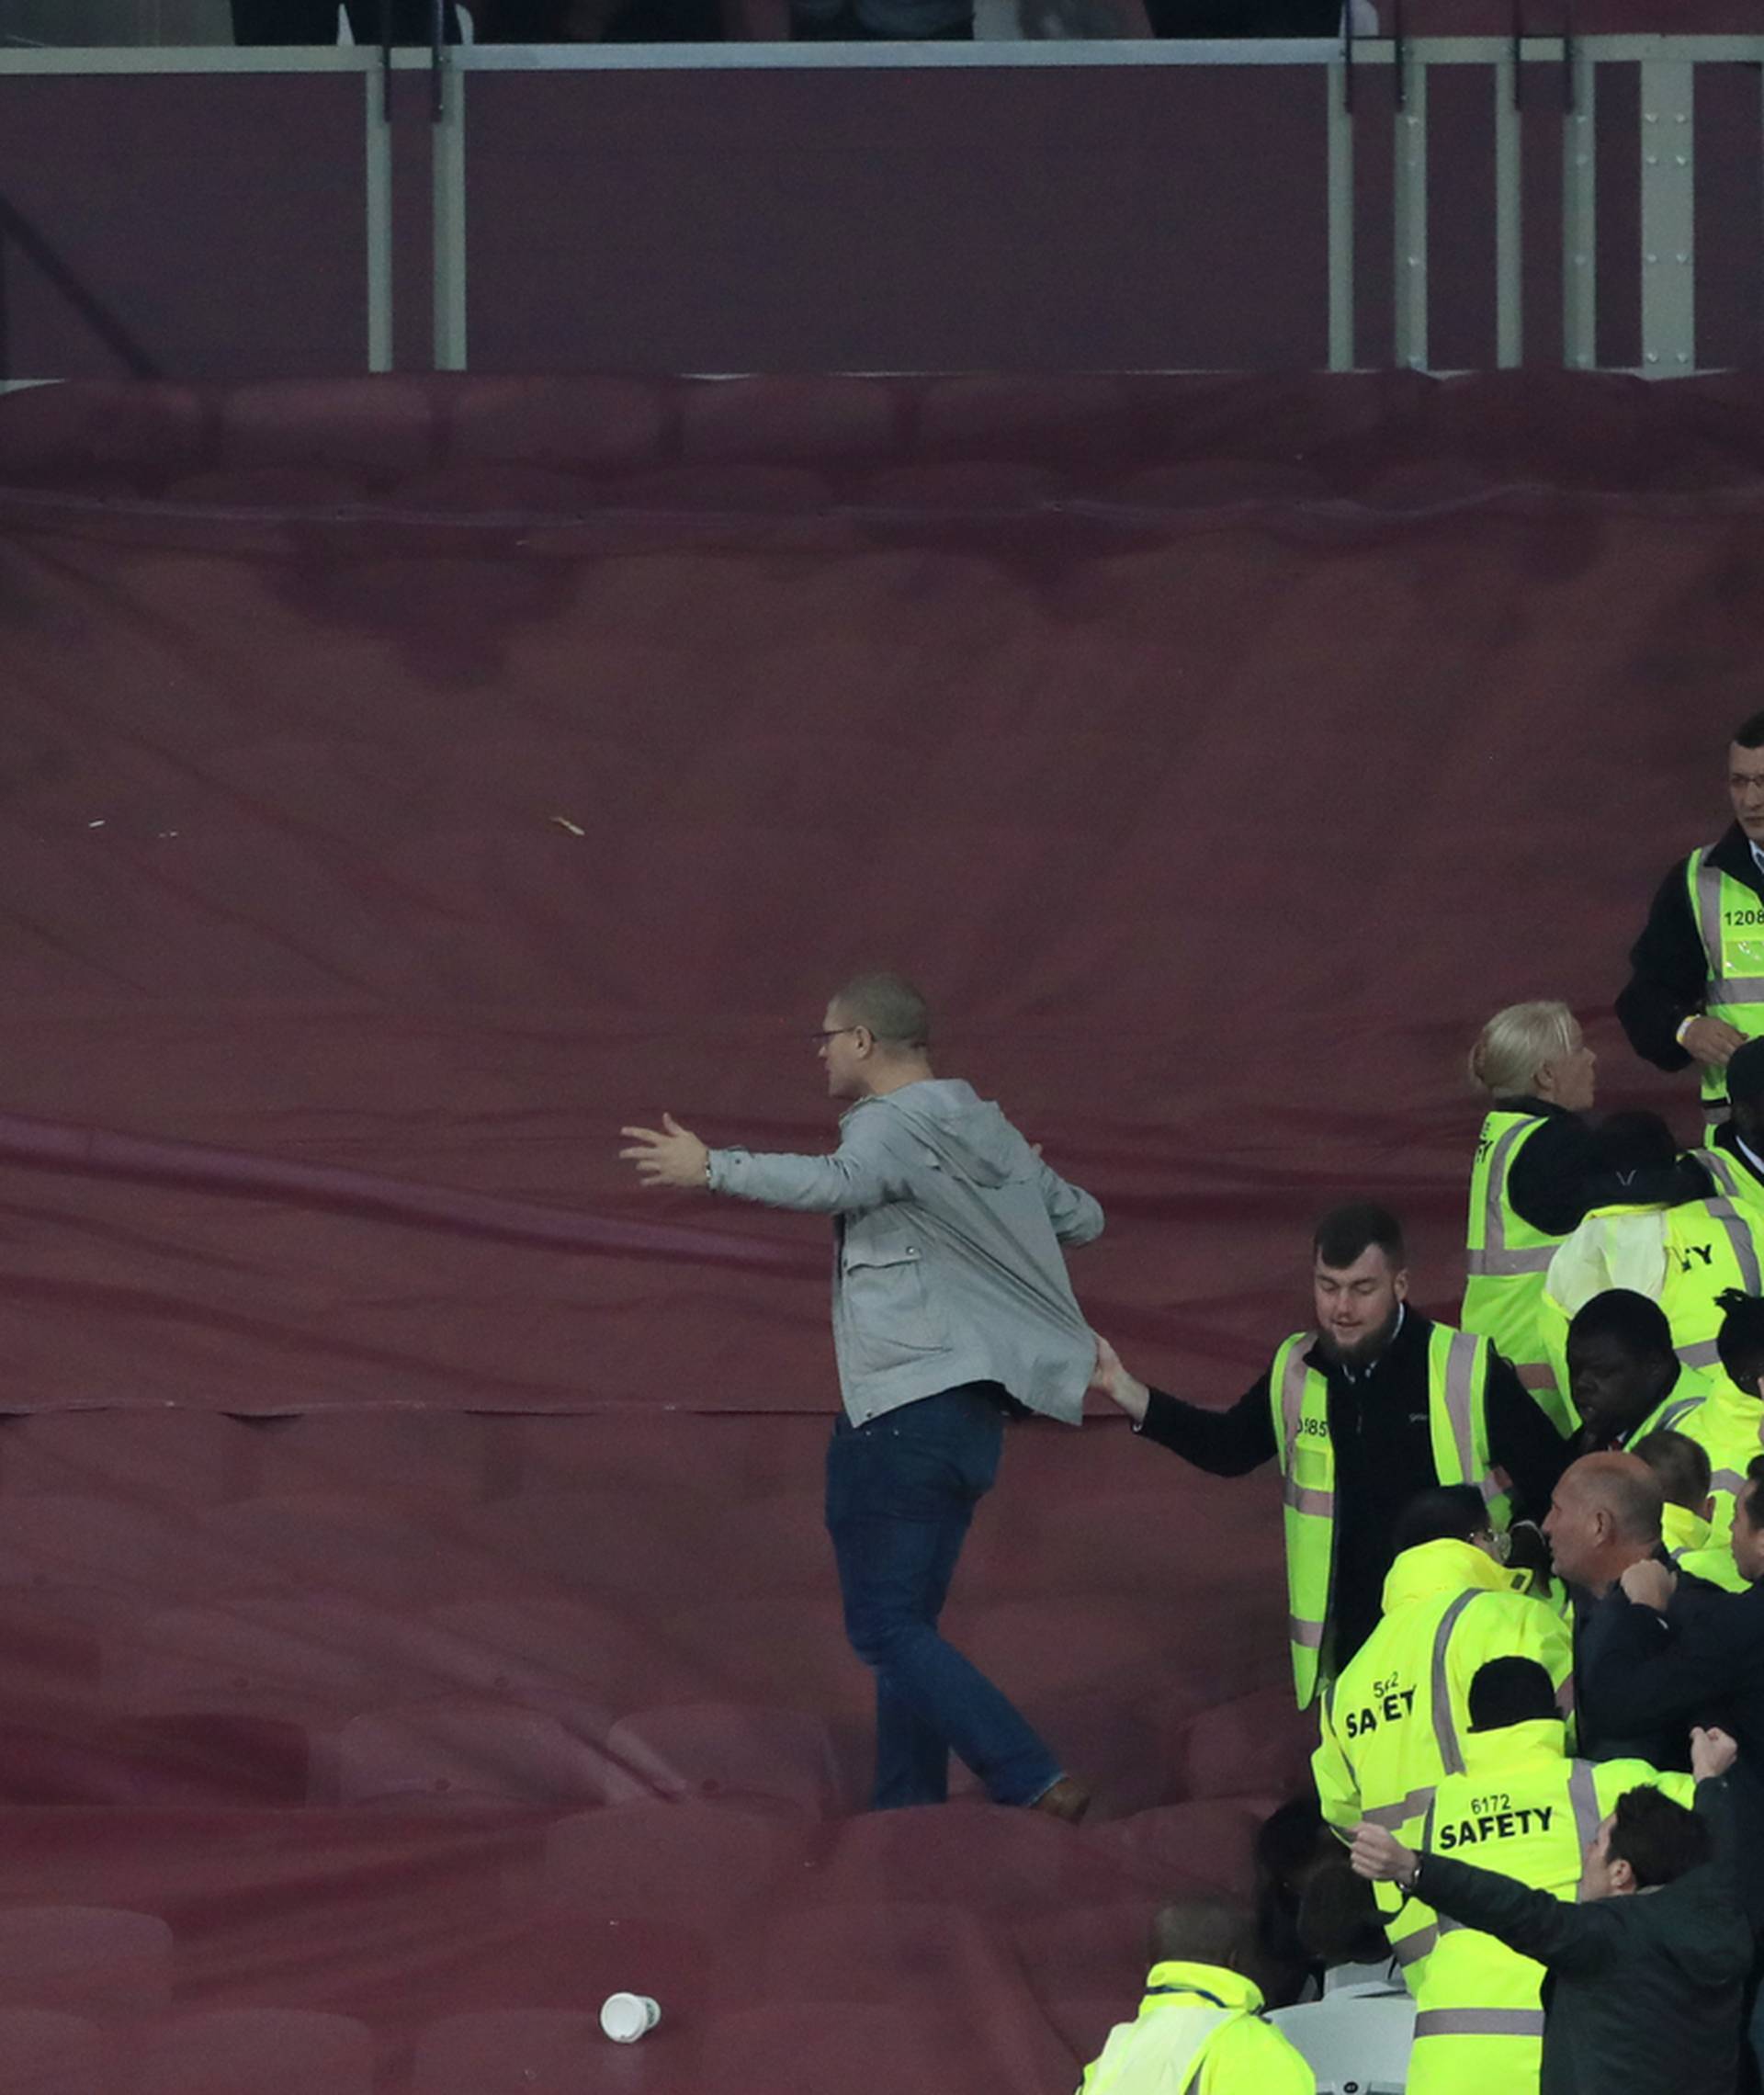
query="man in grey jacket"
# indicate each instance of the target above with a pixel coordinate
(951, 1305)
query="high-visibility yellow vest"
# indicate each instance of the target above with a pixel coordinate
(1396, 1722)
(1457, 1389)
(1522, 1807)
(1685, 1537)
(1199, 2031)
(1684, 1257)
(1729, 918)
(1728, 1429)
(1505, 1262)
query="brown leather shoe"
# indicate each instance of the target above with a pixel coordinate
(1068, 1799)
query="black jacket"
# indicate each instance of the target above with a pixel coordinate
(1644, 1992)
(1669, 968)
(1384, 1455)
(1547, 1183)
(1703, 1664)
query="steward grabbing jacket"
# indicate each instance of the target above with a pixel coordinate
(1381, 1431)
(1644, 1991)
(1701, 950)
(947, 1263)
(1199, 2031)
(1524, 1808)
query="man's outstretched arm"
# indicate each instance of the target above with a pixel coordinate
(859, 1175)
(1226, 1443)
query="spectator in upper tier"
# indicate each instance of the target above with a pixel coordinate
(316, 21)
(1199, 2028)
(1528, 1185)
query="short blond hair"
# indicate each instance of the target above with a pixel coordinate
(1517, 1042)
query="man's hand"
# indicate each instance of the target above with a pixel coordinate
(675, 1157)
(1112, 1381)
(1382, 1857)
(1650, 1584)
(1712, 1753)
(1712, 1041)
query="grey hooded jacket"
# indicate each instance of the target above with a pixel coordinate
(947, 1266)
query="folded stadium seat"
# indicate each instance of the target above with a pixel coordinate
(158, 1455)
(1065, 1644)
(602, 1451)
(552, 1644)
(583, 423)
(716, 487)
(970, 1854)
(274, 487)
(729, 1749)
(1085, 421)
(364, 1544)
(890, 1954)
(140, 431)
(306, 1654)
(1213, 484)
(960, 484)
(44, 2053)
(537, 2051)
(660, 1860)
(88, 1960)
(1207, 1845)
(784, 1647)
(604, 1543)
(110, 1545)
(1112, 1740)
(1091, 1952)
(256, 2051)
(778, 1543)
(417, 1454)
(493, 487)
(1130, 1542)
(208, 1759)
(808, 2048)
(386, 426)
(456, 1749)
(807, 419)
(44, 1651)
(1258, 1746)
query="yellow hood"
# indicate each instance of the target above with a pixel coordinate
(1433, 1568)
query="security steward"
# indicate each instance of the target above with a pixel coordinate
(1696, 987)
(1522, 1806)
(1733, 1156)
(1528, 1180)
(1374, 1405)
(1628, 1383)
(1394, 1724)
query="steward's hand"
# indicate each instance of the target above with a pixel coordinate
(1112, 1381)
(1711, 1042)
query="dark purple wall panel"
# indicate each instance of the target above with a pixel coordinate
(189, 226)
(1099, 218)
(1730, 215)
(1461, 217)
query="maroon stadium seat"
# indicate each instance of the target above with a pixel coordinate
(558, 1643)
(811, 2048)
(369, 1546)
(887, 1953)
(1208, 1844)
(603, 1542)
(256, 2051)
(433, 1454)
(662, 1859)
(46, 2053)
(159, 1454)
(141, 1553)
(974, 1854)
(89, 1960)
(1258, 1746)
(535, 2051)
(455, 1748)
(730, 1750)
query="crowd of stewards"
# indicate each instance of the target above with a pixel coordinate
(1525, 1581)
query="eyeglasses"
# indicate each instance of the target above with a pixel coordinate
(832, 1033)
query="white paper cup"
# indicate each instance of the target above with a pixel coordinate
(626, 2017)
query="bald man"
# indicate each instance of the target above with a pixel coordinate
(1605, 1517)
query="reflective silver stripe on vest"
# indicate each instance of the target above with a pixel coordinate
(1308, 1634)
(1726, 1480)
(1411, 1949)
(1504, 1265)
(1494, 1261)
(1460, 1375)
(1445, 1732)
(1669, 1418)
(1479, 2022)
(1583, 1801)
(1393, 1815)
(1740, 1238)
(1737, 989)
(1705, 1355)
(1303, 1499)
(1722, 1170)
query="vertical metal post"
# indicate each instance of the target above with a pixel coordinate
(1580, 213)
(1669, 218)
(378, 187)
(1509, 319)
(448, 145)
(1340, 89)
(1412, 223)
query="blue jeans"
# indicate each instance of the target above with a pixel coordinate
(900, 1492)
